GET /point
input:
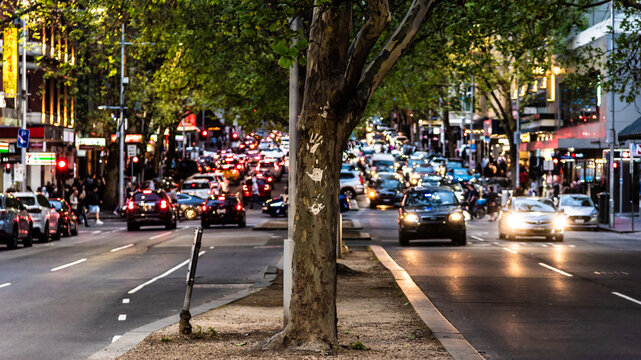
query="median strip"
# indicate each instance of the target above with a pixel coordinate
(555, 269)
(166, 273)
(122, 247)
(627, 297)
(68, 265)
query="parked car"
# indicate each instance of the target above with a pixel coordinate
(189, 205)
(431, 212)
(351, 184)
(151, 207)
(68, 223)
(579, 210)
(45, 219)
(223, 210)
(531, 216)
(385, 192)
(15, 222)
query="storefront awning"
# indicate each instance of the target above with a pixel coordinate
(632, 131)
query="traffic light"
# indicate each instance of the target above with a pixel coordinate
(62, 169)
(7, 168)
(135, 159)
(234, 136)
(203, 135)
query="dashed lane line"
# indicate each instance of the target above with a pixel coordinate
(96, 232)
(5, 285)
(510, 250)
(122, 247)
(626, 297)
(166, 273)
(122, 317)
(69, 264)
(556, 270)
(477, 238)
(125, 301)
(160, 235)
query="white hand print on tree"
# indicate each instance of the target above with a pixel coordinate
(316, 174)
(315, 140)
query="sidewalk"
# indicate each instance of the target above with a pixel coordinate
(623, 224)
(375, 321)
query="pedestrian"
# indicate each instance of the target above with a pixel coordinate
(82, 203)
(93, 204)
(254, 191)
(493, 203)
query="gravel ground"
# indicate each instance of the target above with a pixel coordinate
(372, 310)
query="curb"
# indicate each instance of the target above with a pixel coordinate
(443, 330)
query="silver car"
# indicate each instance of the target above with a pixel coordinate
(579, 210)
(15, 222)
(531, 216)
(45, 219)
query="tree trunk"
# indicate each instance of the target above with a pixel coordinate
(449, 134)
(111, 177)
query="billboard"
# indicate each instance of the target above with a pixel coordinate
(10, 62)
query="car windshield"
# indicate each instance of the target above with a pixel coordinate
(383, 163)
(424, 170)
(196, 185)
(146, 197)
(430, 198)
(27, 200)
(388, 183)
(579, 201)
(533, 205)
(56, 204)
(454, 165)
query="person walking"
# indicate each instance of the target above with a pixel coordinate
(82, 203)
(254, 191)
(93, 204)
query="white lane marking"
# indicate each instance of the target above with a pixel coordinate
(555, 269)
(160, 235)
(211, 247)
(113, 231)
(96, 232)
(496, 243)
(626, 297)
(116, 337)
(543, 245)
(122, 317)
(70, 264)
(572, 245)
(510, 250)
(166, 273)
(477, 238)
(125, 301)
(550, 244)
(122, 247)
(5, 285)
(557, 246)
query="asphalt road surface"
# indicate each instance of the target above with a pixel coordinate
(70, 298)
(528, 299)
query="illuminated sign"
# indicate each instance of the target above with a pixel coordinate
(525, 137)
(91, 142)
(43, 158)
(10, 62)
(129, 138)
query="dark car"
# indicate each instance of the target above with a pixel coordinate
(189, 205)
(150, 207)
(15, 222)
(68, 223)
(428, 213)
(223, 210)
(385, 191)
(275, 207)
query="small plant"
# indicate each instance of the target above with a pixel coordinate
(213, 333)
(358, 345)
(165, 339)
(241, 344)
(198, 334)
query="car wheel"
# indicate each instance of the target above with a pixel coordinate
(191, 213)
(501, 235)
(460, 239)
(402, 238)
(348, 192)
(168, 225)
(74, 231)
(132, 227)
(28, 241)
(242, 223)
(12, 242)
(45, 236)
(559, 238)
(511, 237)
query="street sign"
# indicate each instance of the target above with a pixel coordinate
(23, 138)
(4, 147)
(635, 150)
(20, 171)
(41, 158)
(131, 150)
(548, 165)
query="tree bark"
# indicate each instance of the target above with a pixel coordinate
(449, 134)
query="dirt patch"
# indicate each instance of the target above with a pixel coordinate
(375, 321)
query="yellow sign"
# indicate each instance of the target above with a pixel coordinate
(10, 62)
(525, 137)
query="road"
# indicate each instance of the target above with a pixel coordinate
(530, 299)
(70, 298)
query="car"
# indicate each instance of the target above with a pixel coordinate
(151, 207)
(275, 207)
(419, 173)
(216, 180)
(68, 223)
(230, 172)
(189, 205)
(459, 175)
(197, 187)
(45, 219)
(351, 184)
(432, 181)
(16, 223)
(272, 166)
(579, 210)
(385, 192)
(222, 210)
(429, 213)
(264, 190)
(531, 216)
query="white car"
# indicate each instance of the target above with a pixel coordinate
(351, 184)
(45, 218)
(197, 187)
(217, 181)
(579, 210)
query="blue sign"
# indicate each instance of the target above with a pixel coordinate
(473, 147)
(23, 138)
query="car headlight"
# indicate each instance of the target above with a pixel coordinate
(276, 204)
(560, 222)
(456, 216)
(411, 218)
(372, 194)
(515, 221)
(594, 213)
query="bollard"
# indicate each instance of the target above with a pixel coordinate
(184, 328)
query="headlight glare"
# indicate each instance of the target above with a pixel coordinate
(456, 216)
(410, 218)
(560, 222)
(372, 194)
(515, 221)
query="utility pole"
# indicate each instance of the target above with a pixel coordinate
(23, 151)
(121, 126)
(288, 249)
(471, 125)
(517, 140)
(612, 131)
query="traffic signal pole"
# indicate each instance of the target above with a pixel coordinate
(23, 151)
(121, 126)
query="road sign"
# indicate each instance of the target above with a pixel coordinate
(20, 171)
(41, 158)
(4, 147)
(548, 165)
(635, 150)
(23, 138)
(131, 150)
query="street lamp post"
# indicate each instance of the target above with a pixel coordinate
(517, 141)
(121, 126)
(612, 131)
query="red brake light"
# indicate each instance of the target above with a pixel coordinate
(239, 207)
(204, 207)
(245, 188)
(270, 179)
(163, 204)
(360, 177)
(221, 198)
(275, 167)
(130, 205)
(266, 187)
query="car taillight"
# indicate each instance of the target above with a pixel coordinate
(266, 187)
(163, 204)
(204, 208)
(130, 205)
(270, 179)
(360, 178)
(275, 167)
(245, 188)
(238, 167)
(239, 207)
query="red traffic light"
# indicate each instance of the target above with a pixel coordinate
(62, 164)
(615, 165)
(135, 159)
(555, 161)
(204, 133)
(234, 136)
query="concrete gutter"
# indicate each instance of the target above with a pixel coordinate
(443, 330)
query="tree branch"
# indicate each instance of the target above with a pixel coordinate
(379, 17)
(585, 6)
(631, 3)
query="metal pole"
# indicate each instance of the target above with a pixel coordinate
(184, 328)
(612, 130)
(23, 151)
(121, 131)
(288, 251)
(621, 182)
(429, 136)
(470, 161)
(517, 140)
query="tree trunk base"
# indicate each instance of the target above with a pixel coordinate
(280, 341)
